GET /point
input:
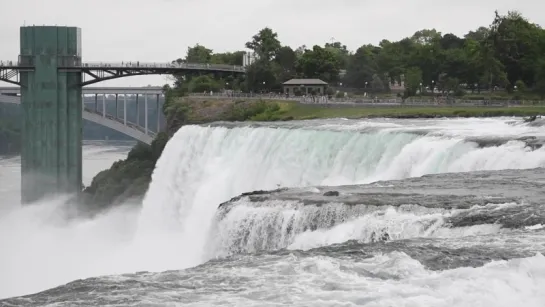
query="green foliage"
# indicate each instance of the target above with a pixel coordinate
(265, 44)
(258, 111)
(506, 54)
(413, 79)
(198, 54)
(126, 179)
(203, 84)
(158, 144)
(320, 63)
(141, 151)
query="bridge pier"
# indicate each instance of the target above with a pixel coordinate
(146, 113)
(51, 99)
(158, 119)
(137, 112)
(116, 107)
(103, 105)
(125, 109)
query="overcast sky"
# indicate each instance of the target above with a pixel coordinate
(161, 30)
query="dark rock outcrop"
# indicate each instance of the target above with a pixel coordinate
(331, 193)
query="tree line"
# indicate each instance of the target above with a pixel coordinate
(509, 54)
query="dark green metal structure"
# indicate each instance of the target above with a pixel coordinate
(51, 100)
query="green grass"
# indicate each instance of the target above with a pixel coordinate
(296, 111)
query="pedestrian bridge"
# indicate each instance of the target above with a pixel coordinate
(116, 121)
(103, 71)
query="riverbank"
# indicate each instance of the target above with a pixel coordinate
(194, 110)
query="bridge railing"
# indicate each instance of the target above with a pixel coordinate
(173, 65)
(67, 62)
(8, 63)
(243, 95)
(371, 101)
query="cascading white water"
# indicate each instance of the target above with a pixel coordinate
(248, 227)
(204, 166)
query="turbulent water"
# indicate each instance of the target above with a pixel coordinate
(363, 212)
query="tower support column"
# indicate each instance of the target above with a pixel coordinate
(51, 99)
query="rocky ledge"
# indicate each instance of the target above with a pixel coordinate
(445, 191)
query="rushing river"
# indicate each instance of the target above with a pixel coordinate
(446, 212)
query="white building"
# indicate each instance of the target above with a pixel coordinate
(248, 58)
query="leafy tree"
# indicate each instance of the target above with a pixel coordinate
(413, 79)
(285, 61)
(229, 58)
(320, 63)
(204, 84)
(198, 54)
(265, 44)
(341, 53)
(362, 67)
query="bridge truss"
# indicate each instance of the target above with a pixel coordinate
(98, 72)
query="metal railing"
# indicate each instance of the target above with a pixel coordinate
(4, 63)
(141, 65)
(372, 102)
(75, 62)
(243, 95)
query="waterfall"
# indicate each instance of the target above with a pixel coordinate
(202, 167)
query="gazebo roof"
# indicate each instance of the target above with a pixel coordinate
(304, 82)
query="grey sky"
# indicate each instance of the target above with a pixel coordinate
(161, 30)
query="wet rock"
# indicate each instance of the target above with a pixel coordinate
(331, 193)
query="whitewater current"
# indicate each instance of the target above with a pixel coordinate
(445, 212)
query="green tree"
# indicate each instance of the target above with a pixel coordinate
(413, 79)
(204, 83)
(265, 44)
(229, 58)
(341, 53)
(320, 63)
(362, 67)
(260, 76)
(285, 63)
(198, 54)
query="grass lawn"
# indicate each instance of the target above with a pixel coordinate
(292, 110)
